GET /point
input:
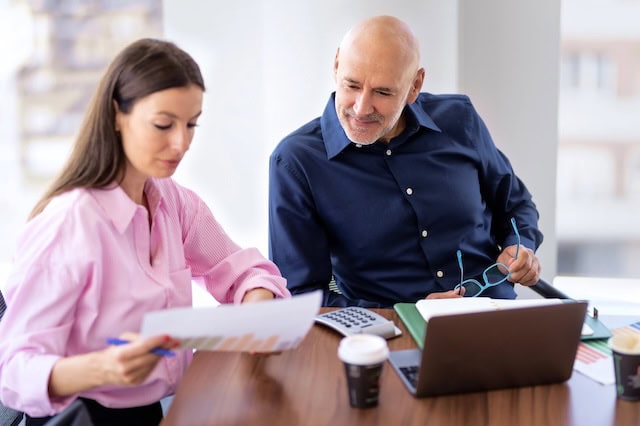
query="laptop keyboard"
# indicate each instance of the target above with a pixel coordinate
(411, 374)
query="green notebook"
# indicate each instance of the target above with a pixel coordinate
(413, 320)
(417, 326)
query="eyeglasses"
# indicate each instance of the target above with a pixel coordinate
(491, 276)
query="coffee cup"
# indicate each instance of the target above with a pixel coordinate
(625, 350)
(363, 356)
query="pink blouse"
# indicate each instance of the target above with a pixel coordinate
(88, 268)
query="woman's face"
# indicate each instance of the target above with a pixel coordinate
(158, 130)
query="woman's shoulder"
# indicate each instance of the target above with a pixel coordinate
(64, 218)
(175, 195)
(182, 204)
(70, 199)
(63, 207)
(77, 207)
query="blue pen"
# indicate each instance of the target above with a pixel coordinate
(157, 351)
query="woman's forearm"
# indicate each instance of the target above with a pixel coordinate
(75, 374)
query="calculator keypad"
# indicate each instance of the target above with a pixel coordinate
(355, 320)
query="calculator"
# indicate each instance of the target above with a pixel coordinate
(356, 320)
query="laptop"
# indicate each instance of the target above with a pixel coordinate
(481, 351)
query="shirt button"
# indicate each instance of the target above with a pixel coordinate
(388, 152)
(440, 274)
(409, 191)
(424, 233)
(358, 145)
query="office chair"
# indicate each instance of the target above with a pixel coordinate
(75, 414)
(8, 416)
(548, 291)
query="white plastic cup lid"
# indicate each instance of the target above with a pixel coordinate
(625, 343)
(363, 349)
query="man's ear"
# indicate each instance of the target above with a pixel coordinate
(416, 86)
(335, 65)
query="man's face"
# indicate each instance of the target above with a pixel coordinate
(370, 96)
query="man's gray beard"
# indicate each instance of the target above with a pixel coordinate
(358, 142)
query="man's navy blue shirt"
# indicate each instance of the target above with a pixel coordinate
(386, 219)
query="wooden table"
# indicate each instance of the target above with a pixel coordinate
(306, 386)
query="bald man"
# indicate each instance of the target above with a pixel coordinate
(394, 195)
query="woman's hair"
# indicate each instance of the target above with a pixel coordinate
(142, 68)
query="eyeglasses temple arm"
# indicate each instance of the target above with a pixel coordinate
(459, 255)
(515, 229)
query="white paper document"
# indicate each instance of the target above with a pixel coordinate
(432, 307)
(594, 360)
(269, 326)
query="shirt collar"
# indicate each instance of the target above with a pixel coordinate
(335, 139)
(119, 208)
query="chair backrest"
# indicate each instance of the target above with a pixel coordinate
(3, 305)
(75, 414)
(8, 416)
(548, 291)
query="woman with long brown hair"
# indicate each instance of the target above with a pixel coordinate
(113, 238)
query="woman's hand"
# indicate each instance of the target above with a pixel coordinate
(257, 295)
(129, 364)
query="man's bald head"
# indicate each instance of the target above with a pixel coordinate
(385, 40)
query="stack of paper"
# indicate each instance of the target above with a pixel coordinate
(432, 307)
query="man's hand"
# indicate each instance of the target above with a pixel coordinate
(525, 269)
(451, 294)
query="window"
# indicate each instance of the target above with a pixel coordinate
(599, 148)
(53, 55)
